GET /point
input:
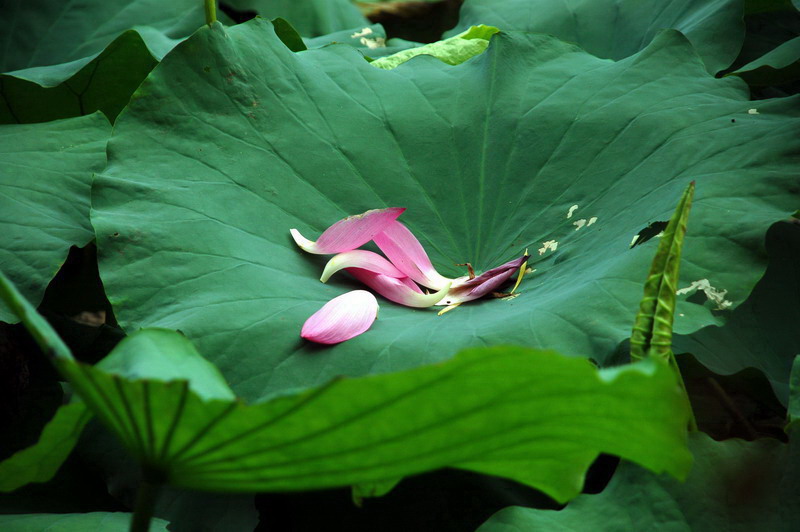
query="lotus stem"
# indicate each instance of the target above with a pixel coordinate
(146, 498)
(211, 11)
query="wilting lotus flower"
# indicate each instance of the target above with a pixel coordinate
(396, 279)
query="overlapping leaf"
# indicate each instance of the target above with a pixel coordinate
(534, 416)
(43, 32)
(105, 521)
(488, 157)
(619, 28)
(735, 485)
(45, 179)
(310, 17)
(758, 333)
(105, 83)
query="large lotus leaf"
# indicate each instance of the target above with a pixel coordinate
(44, 32)
(45, 180)
(310, 17)
(105, 83)
(193, 211)
(616, 29)
(534, 416)
(105, 521)
(758, 333)
(734, 485)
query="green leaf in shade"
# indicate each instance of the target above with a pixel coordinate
(616, 29)
(533, 416)
(452, 51)
(767, 30)
(756, 333)
(652, 331)
(310, 17)
(45, 180)
(734, 485)
(105, 83)
(288, 35)
(39, 462)
(105, 521)
(794, 398)
(193, 227)
(779, 66)
(43, 32)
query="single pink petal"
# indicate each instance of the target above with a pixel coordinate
(397, 290)
(404, 250)
(486, 283)
(349, 233)
(341, 318)
(360, 258)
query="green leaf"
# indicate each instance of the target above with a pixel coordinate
(193, 227)
(779, 66)
(105, 521)
(533, 416)
(162, 355)
(652, 331)
(45, 180)
(452, 51)
(616, 29)
(310, 17)
(39, 462)
(488, 410)
(756, 333)
(794, 397)
(43, 32)
(105, 83)
(288, 35)
(735, 485)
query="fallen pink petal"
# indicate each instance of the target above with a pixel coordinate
(342, 318)
(407, 254)
(402, 291)
(349, 233)
(360, 258)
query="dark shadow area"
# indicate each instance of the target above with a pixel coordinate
(417, 21)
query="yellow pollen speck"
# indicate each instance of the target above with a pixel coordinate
(752, 111)
(362, 33)
(579, 223)
(592, 220)
(550, 244)
(571, 210)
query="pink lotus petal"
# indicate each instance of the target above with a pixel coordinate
(341, 318)
(397, 290)
(360, 258)
(404, 250)
(486, 283)
(350, 233)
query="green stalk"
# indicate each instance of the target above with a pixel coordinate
(652, 330)
(211, 11)
(145, 505)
